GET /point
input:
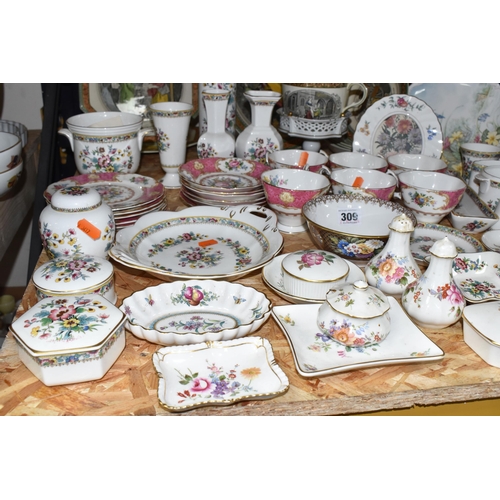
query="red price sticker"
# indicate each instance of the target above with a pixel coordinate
(349, 216)
(89, 228)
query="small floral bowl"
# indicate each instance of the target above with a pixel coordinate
(431, 195)
(188, 312)
(69, 340)
(309, 274)
(352, 226)
(353, 159)
(290, 158)
(287, 190)
(75, 276)
(371, 182)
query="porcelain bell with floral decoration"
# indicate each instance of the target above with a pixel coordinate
(394, 268)
(434, 301)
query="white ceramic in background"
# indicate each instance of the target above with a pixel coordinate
(171, 122)
(70, 340)
(289, 158)
(260, 137)
(474, 151)
(217, 374)
(431, 195)
(188, 312)
(355, 315)
(480, 332)
(477, 168)
(311, 273)
(216, 141)
(408, 162)
(230, 122)
(339, 91)
(434, 300)
(373, 182)
(75, 276)
(121, 192)
(107, 141)
(472, 215)
(316, 354)
(477, 275)
(273, 277)
(200, 242)
(489, 186)
(425, 235)
(16, 128)
(9, 178)
(349, 159)
(399, 124)
(287, 190)
(64, 224)
(392, 269)
(491, 240)
(351, 226)
(10, 151)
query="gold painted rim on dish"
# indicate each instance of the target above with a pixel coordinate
(482, 335)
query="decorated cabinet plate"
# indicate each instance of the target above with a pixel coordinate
(426, 234)
(396, 124)
(477, 275)
(316, 354)
(201, 242)
(217, 374)
(119, 191)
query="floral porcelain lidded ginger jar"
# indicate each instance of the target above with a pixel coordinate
(70, 340)
(355, 315)
(76, 275)
(77, 222)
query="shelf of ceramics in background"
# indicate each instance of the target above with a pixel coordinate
(15, 205)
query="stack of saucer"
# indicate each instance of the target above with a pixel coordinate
(222, 182)
(130, 196)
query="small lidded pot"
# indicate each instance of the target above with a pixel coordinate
(77, 222)
(77, 275)
(70, 340)
(355, 315)
(311, 273)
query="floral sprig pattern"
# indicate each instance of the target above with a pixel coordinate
(112, 159)
(67, 270)
(163, 140)
(392, 269)
(216, 383)
(259, 147)
(194, 296)
(56, 245)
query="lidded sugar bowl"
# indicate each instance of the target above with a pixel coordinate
(77, 222)
(355, 315)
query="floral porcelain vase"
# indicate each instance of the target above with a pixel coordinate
(434, 301)
(393, 268)
(260, 137)
(216, 141)
(230, 110)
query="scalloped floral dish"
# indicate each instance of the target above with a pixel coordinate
(472, 215)
(425, 235)
(218, 374)
(200, 242)
(316, 354)
(399, 124)
(272, 275)
(187, 312)
(477, 275)
(119, 191)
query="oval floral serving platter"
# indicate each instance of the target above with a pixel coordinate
(399, 124)
(119, 191)
(426, 234)
(477, 275)
(217, 374)
(201, 242)
(188, 312)
(316, 353)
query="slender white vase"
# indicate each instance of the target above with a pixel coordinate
(434, 301)
(216, 142)
(260, 137)
(230, 110)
